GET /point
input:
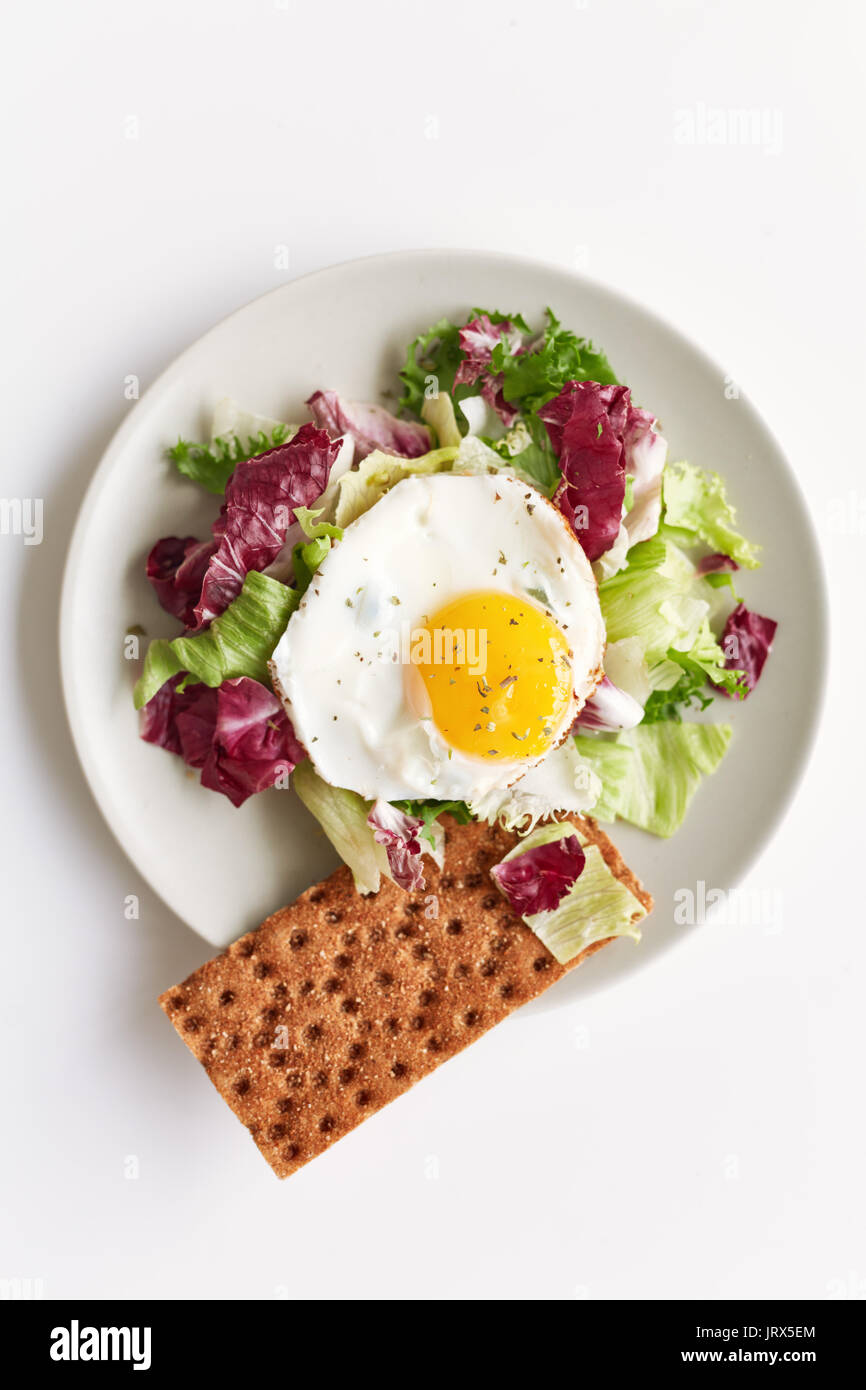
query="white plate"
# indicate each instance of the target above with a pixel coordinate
(222, 870)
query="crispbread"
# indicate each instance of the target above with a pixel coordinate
(339, 1003)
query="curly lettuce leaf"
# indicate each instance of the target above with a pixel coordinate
(534, 458)
(431, 365)
(706, 657)
(478, 339)
(689, 692)
(558, 356)
(428, 813)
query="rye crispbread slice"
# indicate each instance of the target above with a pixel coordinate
(338, 1004)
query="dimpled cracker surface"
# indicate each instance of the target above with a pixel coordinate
(338, 1004)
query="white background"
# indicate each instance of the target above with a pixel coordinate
(696, 1130)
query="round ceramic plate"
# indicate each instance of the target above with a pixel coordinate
(223, 870)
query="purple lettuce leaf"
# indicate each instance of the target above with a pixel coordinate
(196, 722)
(371, 426)
(538, 879)
(238, 735)
(747, 642)
(260, 500)
(398, 832)
(176, 568)
(158, 719)
(478, 339)
(716, 564)
(586, 423)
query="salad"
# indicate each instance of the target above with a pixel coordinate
(517, 491)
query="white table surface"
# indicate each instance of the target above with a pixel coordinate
(694, 1131)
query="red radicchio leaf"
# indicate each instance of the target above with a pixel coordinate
(195, 722)
(176, 568)
(238, 735)
(747, 642)
(586, 423)
(158, 722)
(538, 879)
(371, 426)
(609, 710)
(399, 834)
(260, 500)
(715, 564)
(478, 339)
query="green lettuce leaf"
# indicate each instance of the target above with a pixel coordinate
(343, 817)
(666, 762)
(534, 377)
(430, 811)
(536, 459)
(688, 692)
(632, 601)
(611, 761)
(703, 661)
(307, 556)
(706, 656)
(661, 600)
(695, 501)
(596, 907)
(316, 530)
(436, 353)
(238, 643)
(438, 412)
(211, 465)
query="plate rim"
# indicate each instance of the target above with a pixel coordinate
(128, 426)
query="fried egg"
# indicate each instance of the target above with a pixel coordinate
(446, 643)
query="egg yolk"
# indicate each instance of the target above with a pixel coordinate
(496, 675)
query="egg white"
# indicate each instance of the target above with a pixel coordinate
(428, 541)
